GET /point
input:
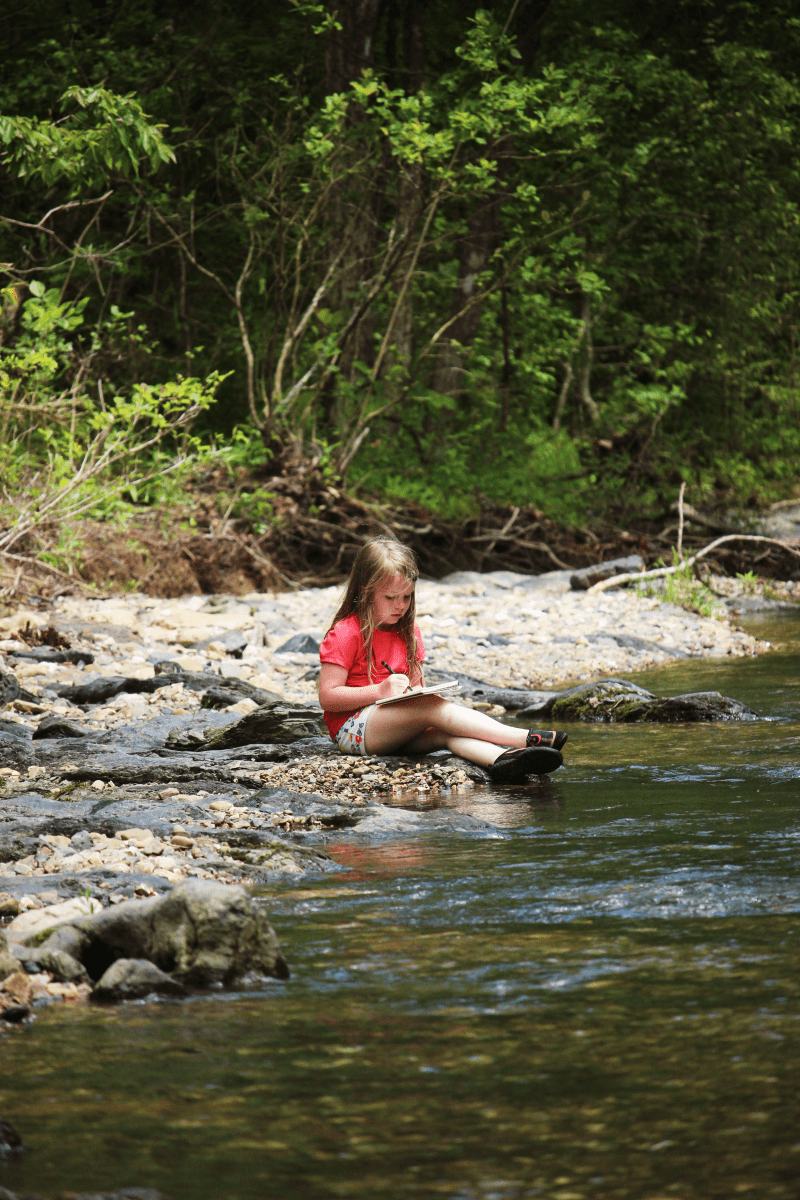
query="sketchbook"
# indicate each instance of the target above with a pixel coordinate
(452, 685)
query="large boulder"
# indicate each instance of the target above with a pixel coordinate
(200, 933)
(619, 701)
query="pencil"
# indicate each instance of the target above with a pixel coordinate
(391, 672)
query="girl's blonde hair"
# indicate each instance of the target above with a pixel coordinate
(375, 560)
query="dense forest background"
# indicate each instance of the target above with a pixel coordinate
(542, 252)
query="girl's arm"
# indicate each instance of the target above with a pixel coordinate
(335, 696)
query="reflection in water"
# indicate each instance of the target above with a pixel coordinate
(507, 807)
(603, 1003)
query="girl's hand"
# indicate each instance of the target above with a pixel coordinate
(395, 685)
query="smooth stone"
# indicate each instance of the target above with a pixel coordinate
(233, 642)
(301, 643)
(133, 979)
(61, 965)
(59, 727)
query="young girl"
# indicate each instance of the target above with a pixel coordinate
(373, 650)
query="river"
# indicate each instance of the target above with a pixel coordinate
(593, 995)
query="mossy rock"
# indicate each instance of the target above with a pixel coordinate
(603, 701)
(619, 702)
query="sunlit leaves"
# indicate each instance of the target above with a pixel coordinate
(103, 134)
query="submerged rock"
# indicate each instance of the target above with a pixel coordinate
(10, 1142)
(619, 701)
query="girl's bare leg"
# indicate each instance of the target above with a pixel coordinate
(432, 723)
(481, 753)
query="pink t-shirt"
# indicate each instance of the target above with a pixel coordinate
(344, 646)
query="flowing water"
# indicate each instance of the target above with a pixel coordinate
(593, 994)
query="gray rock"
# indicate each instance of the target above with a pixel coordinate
(234, 642)
(201, 932)
(132, 979)
(59, 727)
(105, 687)
(301, 643)
(742, 605)
(16, 729)
(81, 840)
(9, 688)
(582, 580)
(61, 965)
(223, 696)
(277, 723)
(66, 939)
(49, 655)
(15, 752)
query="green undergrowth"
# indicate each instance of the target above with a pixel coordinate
(683, 589)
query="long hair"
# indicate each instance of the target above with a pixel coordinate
(375, 560)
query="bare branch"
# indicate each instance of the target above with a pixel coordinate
(661, 572)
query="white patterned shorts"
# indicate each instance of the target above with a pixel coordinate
(350, 738)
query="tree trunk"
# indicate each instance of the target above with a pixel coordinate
(475, 249)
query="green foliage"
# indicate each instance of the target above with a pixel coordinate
(684, 589)
(66, 447)
(104, 134)
(561, 274)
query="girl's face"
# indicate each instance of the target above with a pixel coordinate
(392, 598)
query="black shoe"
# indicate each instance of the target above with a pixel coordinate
(513, 765)
(550, 738)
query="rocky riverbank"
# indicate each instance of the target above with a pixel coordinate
(132, 762)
